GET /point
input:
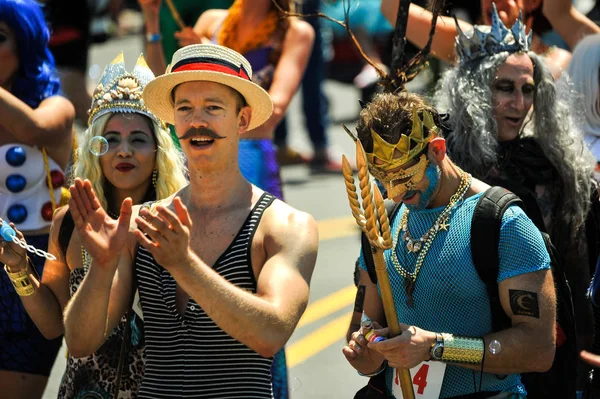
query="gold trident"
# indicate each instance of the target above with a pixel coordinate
(376, 226)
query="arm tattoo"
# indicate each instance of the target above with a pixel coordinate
(360, 299)
(524, 303)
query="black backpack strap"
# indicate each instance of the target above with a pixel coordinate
(485, 237)
(392, 208)
(66, 231)
(592, 229)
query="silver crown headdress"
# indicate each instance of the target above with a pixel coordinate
(121, 91)
(485, 41)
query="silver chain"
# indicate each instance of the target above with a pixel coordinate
(33, 249)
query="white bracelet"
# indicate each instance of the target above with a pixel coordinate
(373, 374)
(153, 37)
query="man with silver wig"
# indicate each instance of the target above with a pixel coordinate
(513, 126)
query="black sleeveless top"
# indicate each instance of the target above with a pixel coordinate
(189, 356)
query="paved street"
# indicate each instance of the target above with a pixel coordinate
(317, 367)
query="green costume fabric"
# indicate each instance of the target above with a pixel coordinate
(190, 11)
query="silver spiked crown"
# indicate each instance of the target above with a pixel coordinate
(121, 91)
(485, 41)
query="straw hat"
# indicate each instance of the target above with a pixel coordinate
(210, 63)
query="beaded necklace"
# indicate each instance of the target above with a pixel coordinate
(441, 223)
(263, 32)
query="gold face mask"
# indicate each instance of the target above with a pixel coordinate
(399, 182)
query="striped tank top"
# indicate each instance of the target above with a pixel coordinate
(189, 356)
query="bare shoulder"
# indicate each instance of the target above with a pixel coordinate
(59, 104)
(286, 215)
(286, 224)
(211, 16)
(300, 31)
(54, 119)
(56, 115)
(209, 21)
(477, 186)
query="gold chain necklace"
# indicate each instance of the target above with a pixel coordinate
(441, 223)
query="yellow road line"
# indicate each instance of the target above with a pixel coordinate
(316, 341)
(325, 306)
(337, 228)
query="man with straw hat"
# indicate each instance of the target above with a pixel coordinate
(222, 267)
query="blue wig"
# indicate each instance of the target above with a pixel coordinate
(36, 78)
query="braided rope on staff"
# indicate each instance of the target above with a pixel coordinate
(371, 216)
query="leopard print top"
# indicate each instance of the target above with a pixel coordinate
(97, 373)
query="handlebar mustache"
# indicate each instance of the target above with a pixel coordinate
(202, 131)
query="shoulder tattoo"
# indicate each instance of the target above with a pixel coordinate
(524, 303)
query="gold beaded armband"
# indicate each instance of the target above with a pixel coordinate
(462, 349)
(21, 281)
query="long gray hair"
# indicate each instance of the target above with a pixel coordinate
(465, 92)
(584, 75)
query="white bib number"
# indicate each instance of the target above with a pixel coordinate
(427, 379)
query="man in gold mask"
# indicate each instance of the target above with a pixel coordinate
(443, 307)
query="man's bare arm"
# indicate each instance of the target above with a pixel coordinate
(419, 24)
(356, 351)
(530, 302)
(528, 345)
(570, 24)
(367, 300)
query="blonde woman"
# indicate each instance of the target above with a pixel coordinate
(140, 162)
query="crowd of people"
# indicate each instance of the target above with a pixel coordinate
(167, 258)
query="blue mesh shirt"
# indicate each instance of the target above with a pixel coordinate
(449, 296)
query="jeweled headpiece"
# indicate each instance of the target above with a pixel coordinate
(408, 146)
(486, 41)
(121, 91)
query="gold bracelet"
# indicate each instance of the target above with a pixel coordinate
(21, 281)
(462, 349)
